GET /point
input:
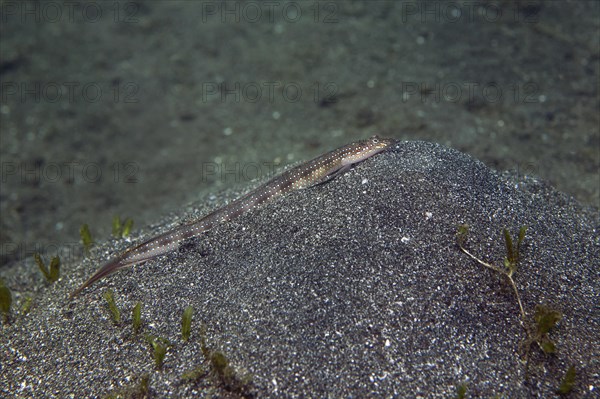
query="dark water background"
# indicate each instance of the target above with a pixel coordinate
(139, 108)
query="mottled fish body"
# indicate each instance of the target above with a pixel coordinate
(316, 171)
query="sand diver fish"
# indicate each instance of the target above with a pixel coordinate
(313, 172)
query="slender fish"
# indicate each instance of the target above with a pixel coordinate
(316, 171)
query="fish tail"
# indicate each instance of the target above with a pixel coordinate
(109, 268)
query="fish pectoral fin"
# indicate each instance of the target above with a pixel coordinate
(332, 175)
